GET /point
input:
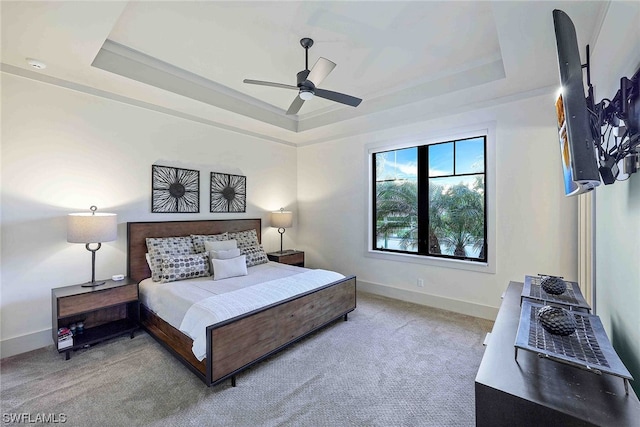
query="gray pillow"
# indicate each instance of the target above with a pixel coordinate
(255, 255)
(183, 267)
(199, 239)
(245, 238)
(160, 247)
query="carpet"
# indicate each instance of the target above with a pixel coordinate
(391, 364)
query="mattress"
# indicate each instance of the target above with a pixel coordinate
(171, 301)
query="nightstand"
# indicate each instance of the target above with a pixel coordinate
(291, 257)
(107, 311)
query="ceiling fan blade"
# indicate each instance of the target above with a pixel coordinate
(295, 105)
(320, 70)
(261, 83)
(338, 97)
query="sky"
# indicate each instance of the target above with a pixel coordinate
(402, 164)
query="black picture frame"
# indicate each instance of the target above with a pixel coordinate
(174, 190)
(228, 193)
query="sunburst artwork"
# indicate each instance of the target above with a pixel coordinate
(175, 190)
(228, 192)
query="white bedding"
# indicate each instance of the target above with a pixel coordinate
(171, 300)
(192, 305)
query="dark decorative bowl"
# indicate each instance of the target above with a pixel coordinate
(557, 321)
(553, 285)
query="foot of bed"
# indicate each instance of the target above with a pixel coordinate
(233, 381)
(346, 317)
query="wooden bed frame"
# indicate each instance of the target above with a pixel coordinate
(238, 343)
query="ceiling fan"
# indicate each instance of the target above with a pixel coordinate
(308, 81)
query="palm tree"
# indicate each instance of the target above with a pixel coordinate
(456, 216)
(463, 219)
(397, 211)
(479, 246)
(437, 209)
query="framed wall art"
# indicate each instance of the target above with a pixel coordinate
(228, 193)
(174, 190)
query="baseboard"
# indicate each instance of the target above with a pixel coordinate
(24, 343)
(36, 340)
(457, 306)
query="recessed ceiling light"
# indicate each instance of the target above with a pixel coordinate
(38, 65)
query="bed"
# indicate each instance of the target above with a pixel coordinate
(237, 343)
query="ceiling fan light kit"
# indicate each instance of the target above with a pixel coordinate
(308, 80)
(306, 95)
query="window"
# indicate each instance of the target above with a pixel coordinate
(431, 200)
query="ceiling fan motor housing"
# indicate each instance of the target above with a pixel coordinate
(302, 77)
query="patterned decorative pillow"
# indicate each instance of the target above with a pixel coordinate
(182, 267)
(255, 255)
(199, 239)
(222, 245)
(245, 238)
(159, 247)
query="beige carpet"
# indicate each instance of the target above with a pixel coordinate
(391, 364)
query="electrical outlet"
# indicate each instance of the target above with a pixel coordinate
(420, 283)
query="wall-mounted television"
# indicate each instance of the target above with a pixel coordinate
(579, 163)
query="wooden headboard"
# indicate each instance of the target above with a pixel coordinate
(137, 232)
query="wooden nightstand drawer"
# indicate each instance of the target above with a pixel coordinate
(293, 259)
(81, 303)
(290, 257)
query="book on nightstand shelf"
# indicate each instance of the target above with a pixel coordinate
(65, 338)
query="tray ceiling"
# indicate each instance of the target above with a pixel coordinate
(407, 60)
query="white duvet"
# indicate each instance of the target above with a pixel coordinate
(192, 305)
(170, 301)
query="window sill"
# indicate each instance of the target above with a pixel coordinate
(480, 267)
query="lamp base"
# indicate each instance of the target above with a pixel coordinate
(92, 284)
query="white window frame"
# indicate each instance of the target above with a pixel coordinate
(486, 129)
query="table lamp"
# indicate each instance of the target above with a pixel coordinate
(281, 219)
(92, 228)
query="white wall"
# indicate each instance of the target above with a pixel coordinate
(617, 54)
(536, 224)
(63, 151)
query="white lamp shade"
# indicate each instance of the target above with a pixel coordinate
(281, 219)
(92, 228)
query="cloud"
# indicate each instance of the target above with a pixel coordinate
(401, 170)
(408, 168)
(437, 172)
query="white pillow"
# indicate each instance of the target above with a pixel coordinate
(225, 268)
(222, 245)
(231, 253)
